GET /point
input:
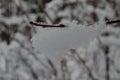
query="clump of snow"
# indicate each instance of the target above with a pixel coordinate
(55, 42)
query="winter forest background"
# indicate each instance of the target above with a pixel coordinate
(84, 43)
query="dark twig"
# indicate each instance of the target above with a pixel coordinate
(64, 69)
(113, 21)
(30, 52)
(82, 61)
(35, 76)
(41, 7)
(63, 26)
(52, 66)
(106, 50)
(48, 25)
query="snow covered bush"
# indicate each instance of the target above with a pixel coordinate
(47, 58)
(98, 42)
(84, 11)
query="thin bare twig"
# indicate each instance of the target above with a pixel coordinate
(53, 67)
(33, 54)
(35, 76)
(26, 13)
(41, 7)
(62, 25)
(64, 70)
(63, 65)
(105, 49)
(28, 17)
(83, 62)
(48, 25)
(30, 52)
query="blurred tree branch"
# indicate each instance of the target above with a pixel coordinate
(41, 7)
(48, 25)
(113, 21)
(82, 61)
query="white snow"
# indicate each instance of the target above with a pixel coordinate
(55, 42)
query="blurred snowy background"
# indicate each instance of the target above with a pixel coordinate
(87, 49)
